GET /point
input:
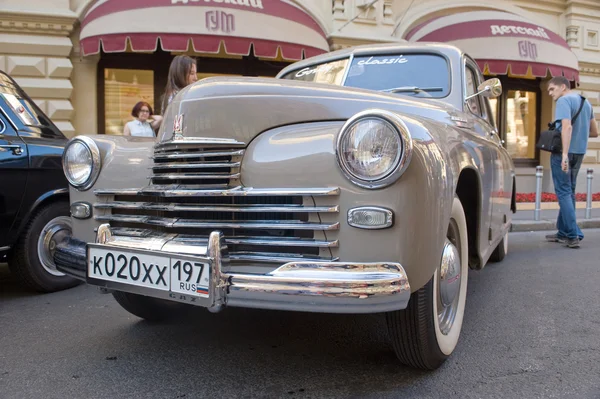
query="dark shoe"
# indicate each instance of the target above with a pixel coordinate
(555, 238)
(572, 242)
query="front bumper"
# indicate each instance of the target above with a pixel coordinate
(329, 287)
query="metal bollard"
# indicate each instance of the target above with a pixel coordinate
(588, 202)
(539, 173)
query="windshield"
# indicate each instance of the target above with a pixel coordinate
(425, 75)
(421, 75)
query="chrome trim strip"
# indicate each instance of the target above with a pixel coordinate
(235, 240)
(194, 176)
(268, 257)
(195, 165)
(200, 154)
(4, 248)
(250, 208)
(199, 141)
(283, 242)
(190, 223)
(180, 190)
(348, 66)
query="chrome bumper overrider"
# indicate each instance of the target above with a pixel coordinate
(330, 287)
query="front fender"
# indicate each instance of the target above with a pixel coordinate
(303, 155)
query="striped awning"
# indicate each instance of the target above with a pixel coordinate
(238, 25)
(502, 43)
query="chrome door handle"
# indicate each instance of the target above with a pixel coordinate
(16, 149)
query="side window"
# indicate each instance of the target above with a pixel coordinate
(473, 104)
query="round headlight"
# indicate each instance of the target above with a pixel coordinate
(81, 162)
(374, 148)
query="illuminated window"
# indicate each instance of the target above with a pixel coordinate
(521, 123)
(123, 88)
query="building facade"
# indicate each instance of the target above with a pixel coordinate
(87, 62)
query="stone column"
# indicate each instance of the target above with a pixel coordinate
(35, 50)
(85, 90)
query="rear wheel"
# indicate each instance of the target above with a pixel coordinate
(501, 250)
(148, 308)
(426, 332)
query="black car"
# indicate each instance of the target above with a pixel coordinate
(34, 196)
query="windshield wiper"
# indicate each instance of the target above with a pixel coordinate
(414, 89)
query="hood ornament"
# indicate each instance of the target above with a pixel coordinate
(178, 127)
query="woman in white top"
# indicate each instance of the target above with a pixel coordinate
(143, 125)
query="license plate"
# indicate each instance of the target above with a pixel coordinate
(177, 274)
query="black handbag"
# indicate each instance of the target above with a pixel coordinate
(550, 140)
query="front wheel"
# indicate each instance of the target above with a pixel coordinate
(32, 258)
(426, 333)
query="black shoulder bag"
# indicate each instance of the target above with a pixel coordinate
(550, 140)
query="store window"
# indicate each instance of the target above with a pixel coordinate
(521, 123)
(123, 88)
(517, 115)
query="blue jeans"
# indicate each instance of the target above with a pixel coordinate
(564, 186)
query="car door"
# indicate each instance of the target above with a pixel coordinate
(497, 194)
(14, 166)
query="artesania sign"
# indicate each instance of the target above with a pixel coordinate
(520, 30)
(246, 3)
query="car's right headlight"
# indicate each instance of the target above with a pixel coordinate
(81, 162)
(374, 148)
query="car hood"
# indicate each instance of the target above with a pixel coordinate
(242, 108)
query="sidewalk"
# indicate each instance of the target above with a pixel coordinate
(523, 220)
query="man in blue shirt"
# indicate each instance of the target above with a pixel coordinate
(565, 166)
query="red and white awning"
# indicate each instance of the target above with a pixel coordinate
(238, 24)
(502, 43)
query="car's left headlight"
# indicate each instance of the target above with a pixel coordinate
(374, 148)
(81, 162)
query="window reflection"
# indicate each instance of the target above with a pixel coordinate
(521, 123)
(123, 88)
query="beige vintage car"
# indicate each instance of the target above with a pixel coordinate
(365, 180)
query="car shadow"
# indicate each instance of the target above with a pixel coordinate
(10, 287)
(301, 353)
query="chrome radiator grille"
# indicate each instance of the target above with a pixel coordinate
(216, 168)
(261, 226)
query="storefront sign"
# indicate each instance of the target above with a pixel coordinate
(220, 21)
(527, 49)
(247, 3)
(520, 30)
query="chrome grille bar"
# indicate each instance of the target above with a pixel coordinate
(190, 223)
(235, 240)
(178, 190)
(269, 257)
(196, 165)
(250, 208)
(194, 176)
(197, 155)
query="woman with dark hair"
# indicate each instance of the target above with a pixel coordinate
(143, 125)
(182, 72)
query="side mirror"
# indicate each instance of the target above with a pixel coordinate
(491, 88)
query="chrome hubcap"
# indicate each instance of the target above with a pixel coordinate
(54, 232)
(449, 282)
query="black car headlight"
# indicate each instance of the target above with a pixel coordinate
(81, 162)
(374, 148)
